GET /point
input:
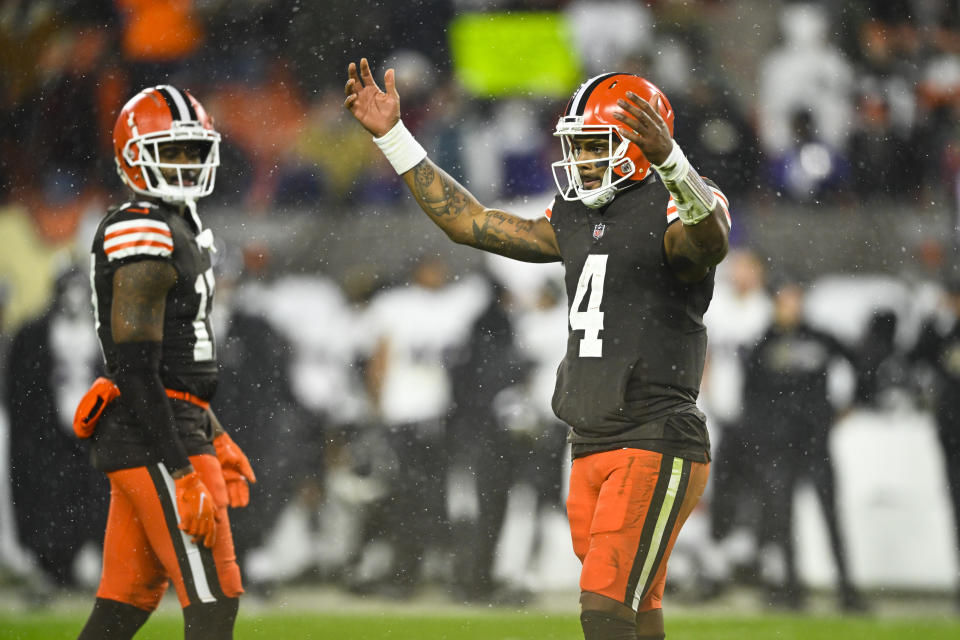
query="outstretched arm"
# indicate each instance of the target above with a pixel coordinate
(466, 221)
(698, 244)
(443, 199)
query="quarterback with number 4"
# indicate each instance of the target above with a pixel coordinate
(173, 470)
(639, 233)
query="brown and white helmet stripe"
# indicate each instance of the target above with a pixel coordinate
(179, 103)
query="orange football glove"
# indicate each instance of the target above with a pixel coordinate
(102, 392)
(198, 513)
(237, 471)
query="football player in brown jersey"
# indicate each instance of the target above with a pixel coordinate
(639, 233)
(173, 470)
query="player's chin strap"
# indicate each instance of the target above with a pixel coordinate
(204, 236)
(694, 199)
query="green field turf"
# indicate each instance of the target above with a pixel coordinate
(499, 626)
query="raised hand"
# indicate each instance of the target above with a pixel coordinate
(645, 127)
(376, 110)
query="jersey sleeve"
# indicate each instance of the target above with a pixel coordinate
(548, 214)
(721, 198)
(137, 232)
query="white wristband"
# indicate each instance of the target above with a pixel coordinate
(694, 199)
(401, 148)
(674, 166)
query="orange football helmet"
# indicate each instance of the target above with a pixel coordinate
(590, 113)
(151, 118)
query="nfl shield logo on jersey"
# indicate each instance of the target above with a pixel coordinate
(598, 230)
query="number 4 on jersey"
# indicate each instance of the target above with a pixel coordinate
(590, 321)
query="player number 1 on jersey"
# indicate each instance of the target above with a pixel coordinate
(590, 320)
(203, 345)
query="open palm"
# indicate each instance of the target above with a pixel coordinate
(376, 110)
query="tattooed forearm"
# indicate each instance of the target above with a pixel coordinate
(466, 221)
(504, 220)
(423, 175)
(497, 234)
(437, 193)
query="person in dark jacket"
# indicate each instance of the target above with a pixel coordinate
(486, 366)
(60, 503)
(788, 410)
(938, 347)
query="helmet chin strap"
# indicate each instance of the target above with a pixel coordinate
(191, 205)
(600, 199)
(602, 195)
(204, 237)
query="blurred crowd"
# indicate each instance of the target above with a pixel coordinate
(846, 103)
(397, 416)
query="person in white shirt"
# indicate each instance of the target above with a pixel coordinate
(413, 329)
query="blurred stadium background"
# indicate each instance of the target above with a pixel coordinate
(832, 127)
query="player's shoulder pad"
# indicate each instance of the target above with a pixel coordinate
(137, 229)
(134, 211)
